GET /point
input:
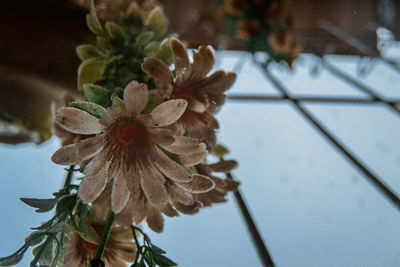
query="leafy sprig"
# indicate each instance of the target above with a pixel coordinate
(148, 254)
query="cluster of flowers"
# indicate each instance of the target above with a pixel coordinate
(140, 137)
(262, 25)
(143, 133)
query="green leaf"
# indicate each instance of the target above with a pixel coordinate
(165, 53)
(48, 254)
(134, 11)
(34, 238)
(87, 51)
(114, 30)
(163, 261)
(97, 94)
(61, 227)
(87, 232)
(90, 71)
(150, 105)
(104, 44)
(66, 204)
(116, 101)
(151, 49)
(157, 22)
(11, 260)
(91, 108)
(44, 225)
(42, 205)
(220, 151)
(144, 38)
(92, 20)
(157, 249)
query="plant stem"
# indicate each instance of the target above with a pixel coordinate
(105, 236)
(68, 178)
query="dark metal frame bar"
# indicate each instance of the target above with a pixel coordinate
(296, 102)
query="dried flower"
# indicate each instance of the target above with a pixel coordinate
(204, 94)
(120, 247)
(130, 149)
(222, 186)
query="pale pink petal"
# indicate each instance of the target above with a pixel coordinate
(96, 163)
(138, 207)
(194, 158)
(120, 193)
(223, 166)
(170, 168)
(162, 136)
(157, 69)
(168, 210)
(153, 187)
(92, 186)
(181, 60)
(188, 209)
(78, 152)
(78, 121)
(218, 82)
(132, 177)
(178, 194)
(203, 61)
(154, 219)
(135, 97)
(200, 184)
(183, 145)
(168, 112)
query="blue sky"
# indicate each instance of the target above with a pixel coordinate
(312, 206)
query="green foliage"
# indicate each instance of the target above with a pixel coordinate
(157, 22)
(97, 94)
(220, 151)
(91, 108)
(121, 46)
(47, 239)
(148, 254)
(90, 71)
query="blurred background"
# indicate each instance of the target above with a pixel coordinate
(314, 127)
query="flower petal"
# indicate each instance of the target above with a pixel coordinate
(223, 166)
(200, 184)
(183, 145)
(78, 152)
(218, 82)
(92, 186)
(154, 219)
(181, 60)
(170, 168)
(138, 207)
(168, 112)
(188, 209)
(203, 61)
(120, 193)
(194, 158)
(162, 136)
(135, 97)
(168, 210)
(153, 187)
(78, 121)
(157, 69)
(178, 194)
(96, 163)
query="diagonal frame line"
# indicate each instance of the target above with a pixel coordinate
(255, 235)
(311, 99)
(368, 174)
(358, 85)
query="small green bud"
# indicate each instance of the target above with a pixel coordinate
(157, 22)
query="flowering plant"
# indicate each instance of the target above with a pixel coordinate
(140, 138)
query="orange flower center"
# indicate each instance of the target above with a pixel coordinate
(90, 246)
(131, 134)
